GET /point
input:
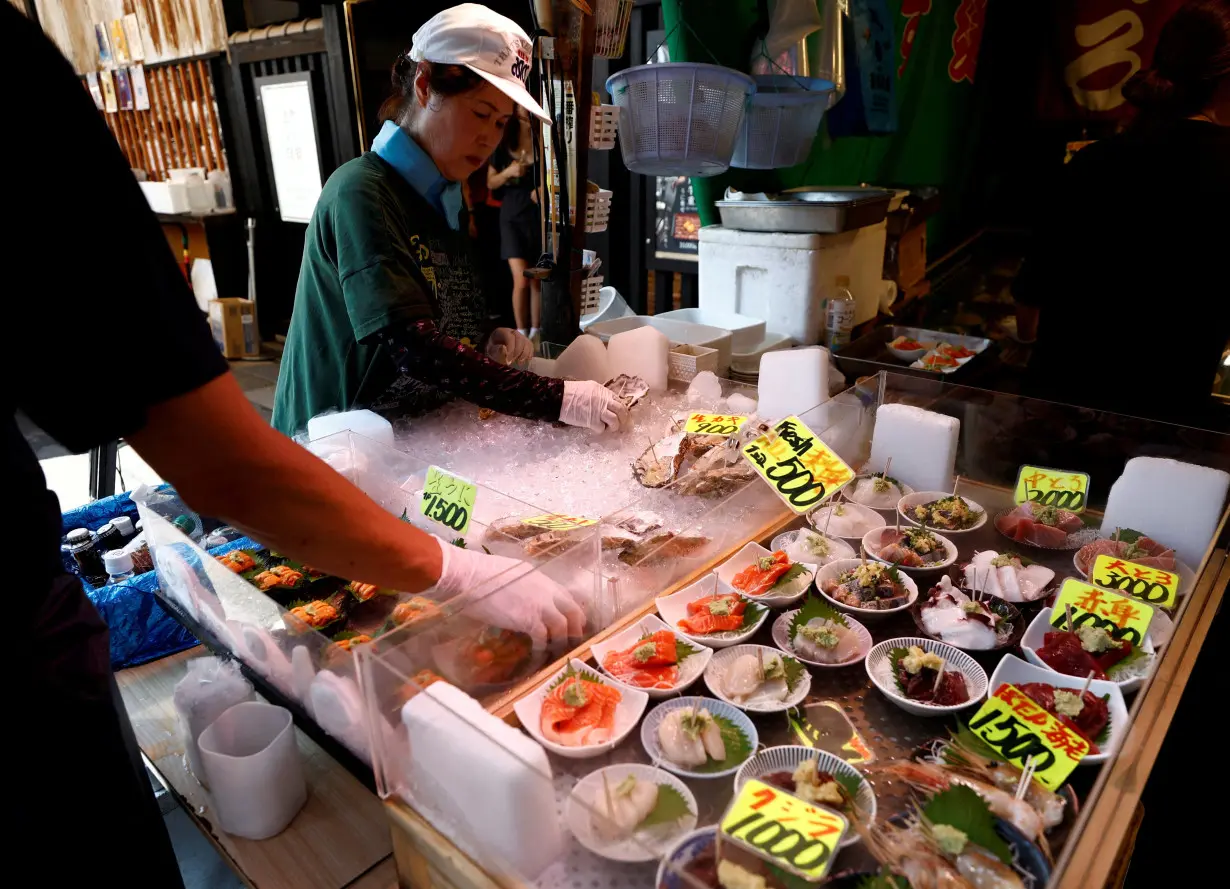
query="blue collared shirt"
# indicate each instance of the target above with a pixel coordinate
(394, 146)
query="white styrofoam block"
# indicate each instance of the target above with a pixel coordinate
(585, 358)
(369, 424)
(487, 784)
(643, 352)
(1177, 504)
(793, 381)
(922, 444)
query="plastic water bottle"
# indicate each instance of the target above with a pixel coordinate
(839, 315)
(118, 564)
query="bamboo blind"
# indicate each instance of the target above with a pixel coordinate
(180, 129)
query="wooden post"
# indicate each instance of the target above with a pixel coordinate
(583, 88)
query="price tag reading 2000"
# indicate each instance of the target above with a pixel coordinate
(801, 468)
(800, 837)
(448, 499)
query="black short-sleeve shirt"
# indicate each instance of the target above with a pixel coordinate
(102, 324)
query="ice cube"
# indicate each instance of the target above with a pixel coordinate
(366, 423)
(793, 381)
(1177, 504)
(643, 353)
(585, 358)
(705, 389)
(923, 445)
(740, 403)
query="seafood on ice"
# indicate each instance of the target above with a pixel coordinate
(620, 809)
(871, 586)
(759, 675)
(911, 548)
(876, 491)
(662, 546)
(847, 519)
(650, 662)
(814, 548)
(661, 461)
(690, 738)
(774, 574)
(950, 615)
(722, 613)
(1005, 576)
(238, 561)
(628, 389)
(1143, 551)
(924, 676)
(579, 712)
(1038, 525)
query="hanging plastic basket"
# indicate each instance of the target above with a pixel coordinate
(590, 290)
(781, 122)
(611, 18)
(597, 209)
(603, 123)
(679, 119)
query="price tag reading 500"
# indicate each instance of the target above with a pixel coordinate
(448, 499)
(801, 468)
(801, 837)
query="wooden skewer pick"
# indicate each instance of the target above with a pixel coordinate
(1085, 687)
(956, 483)
(887, 465)
(1068, 617)
(829, 518)
(652, 451)
(610, 802)
(1027, 775)
(938, 677)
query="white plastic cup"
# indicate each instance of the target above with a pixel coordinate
(252, 763)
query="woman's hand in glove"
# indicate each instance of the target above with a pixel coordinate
(508, 346)
(507, 593)
(593, 406)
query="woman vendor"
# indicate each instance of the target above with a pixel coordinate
(389, 311)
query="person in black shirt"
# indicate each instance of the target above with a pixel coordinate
(1126, 286)
(90, 280)
(512, 180)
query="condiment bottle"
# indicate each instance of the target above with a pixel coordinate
(83, 546)
(118, 565)
(123, 524)
(839, 314)
(109, 538)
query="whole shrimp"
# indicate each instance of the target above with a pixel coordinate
(905, 852)
(955, 755)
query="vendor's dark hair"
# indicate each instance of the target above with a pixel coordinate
(1191, 59)
(442, 80)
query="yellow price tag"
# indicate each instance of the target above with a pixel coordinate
(1152, 585)
(1052, 487)
(1121, 617)
(715, 424)
(1017, 727)
(799, 836)
(557, 522)
(448, 499)
(801, 468)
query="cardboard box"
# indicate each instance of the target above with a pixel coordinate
(233, 322)
(905, 256)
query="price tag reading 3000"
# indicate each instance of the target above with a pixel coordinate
(801, 837)
(801, 468)
(1152, 585)
(448, 499)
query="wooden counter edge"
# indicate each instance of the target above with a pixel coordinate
(426, 859)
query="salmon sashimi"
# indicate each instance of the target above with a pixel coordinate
(651, 663)
(714, 614)
(758, 578)
(578, 713)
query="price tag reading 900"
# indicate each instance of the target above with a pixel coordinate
(715, 424)
(801, 468)
(1019, 729)
(799, 836)
(448, 499)
(1052, 487)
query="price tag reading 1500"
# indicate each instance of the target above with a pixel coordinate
(1019, 729)
(801, 468)
(448, 499)
(798, 836)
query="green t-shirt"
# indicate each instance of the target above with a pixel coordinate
(376, 255)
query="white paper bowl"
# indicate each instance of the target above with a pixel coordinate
(891, 506)
(1035, 635)
(833, 570)
(631, 705)
(869, 517)
(906, 355)
(1187, 578)
(690, 669)
(747, 557)
(788, 758)
(918, 498)
(674, 608)
(879, 669)
(648, 844)
(791, 543)
(722, 661)
(1014, 671)
(872, 546)
(653, 719)
(781, 638)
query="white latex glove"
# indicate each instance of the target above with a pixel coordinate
(507, 593)
(508, 346)
(593, 406)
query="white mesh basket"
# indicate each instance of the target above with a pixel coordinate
(597, 209)
(603, 122)
(611, 18)
(781, 122)
(679, 119)
(590, 289)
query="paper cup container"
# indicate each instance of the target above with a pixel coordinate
(252, 763)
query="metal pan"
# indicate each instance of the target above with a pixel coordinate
(826, 211)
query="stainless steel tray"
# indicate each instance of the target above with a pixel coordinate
(827, 211)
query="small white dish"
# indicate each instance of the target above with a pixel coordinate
(644, 844)
(715, 677)
(908, 355)
(674, 608)
(789, 594)
(1035, 636)
(1014, 671)
(740, 720)
(787, 758)
(850, 520)
(918, 498)
(883, 502)
(690, 668)
(873, 544)
(833, 570)
(631, 705)
(781, 638)
(795, 544)
(880, 671)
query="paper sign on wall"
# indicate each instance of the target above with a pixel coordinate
(1018, 728)
(1153, 585)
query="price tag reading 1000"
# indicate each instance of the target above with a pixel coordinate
(448, 499)
(799, 836)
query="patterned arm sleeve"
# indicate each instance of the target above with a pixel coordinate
(423, 352)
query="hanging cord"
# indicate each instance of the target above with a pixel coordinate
(695, 36)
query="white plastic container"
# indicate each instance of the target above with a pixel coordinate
(784, 277)
(745, 332)
(676, 331)
(365, 423)
(748, 363)
(166, 197)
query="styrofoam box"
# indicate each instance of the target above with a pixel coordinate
(676, 331)
(785, 278)
(745, 332)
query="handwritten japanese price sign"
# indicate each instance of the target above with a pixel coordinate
(554, 521)
(1053, 487)
(1152, 585)
(801, 468)
(715, 424)
(1121, 617)
(798, 835)
(1018, 728)
(448, 499)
